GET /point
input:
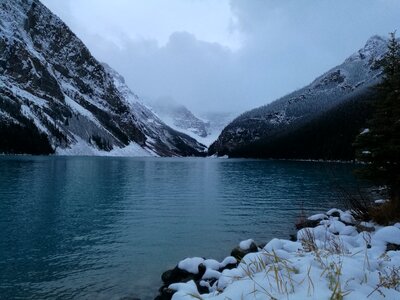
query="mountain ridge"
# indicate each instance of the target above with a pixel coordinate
(356, 74)
(50, 81)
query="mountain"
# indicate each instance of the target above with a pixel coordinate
(56, 97)
(204, 129)
(328, 136)
(217, 121)
(268, 131)
(179, 117)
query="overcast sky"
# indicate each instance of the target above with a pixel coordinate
(224, 55)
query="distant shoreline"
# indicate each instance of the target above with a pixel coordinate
(204, 157)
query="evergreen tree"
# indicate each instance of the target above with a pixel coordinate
(379, 145)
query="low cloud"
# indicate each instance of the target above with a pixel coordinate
(261, 51)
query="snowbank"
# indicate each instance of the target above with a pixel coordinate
(82, 148)
(334, 260)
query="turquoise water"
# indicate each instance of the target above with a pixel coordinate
(106, 228)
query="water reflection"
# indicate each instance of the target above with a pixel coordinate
(104, 228)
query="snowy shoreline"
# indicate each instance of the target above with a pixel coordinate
(125, 152)
(321, 160)
(334, 256)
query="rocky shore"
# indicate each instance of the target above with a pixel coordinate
(332, 256)
(203, 272)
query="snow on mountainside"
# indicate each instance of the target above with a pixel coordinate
(204, 130)
(355, 75)
(179, 116)
(217, 121)
(50, 83)
(157, 130)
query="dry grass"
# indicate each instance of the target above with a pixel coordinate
(387, 213)
(360, 207)
(278, 273)
(330, 261)
(363, 207)
(308, 241)
(389, 279)
(302, 217)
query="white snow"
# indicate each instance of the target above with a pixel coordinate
(191, 264)
(381, 201)
(273, 245)
(27, 112)
(82, 148)
(317, 217)
(320, 265)
(347, 217)
(88, 96)
(212, 264)
(190, 289)
(334, 210)
(207, 141)
(228, 260)
(26, 95)
(81, 110)
(245, 245)
(365, 131)
(132, 149)
(4, 116)
(389, 234)
(210, 274)
(355, 74)
(336, 226)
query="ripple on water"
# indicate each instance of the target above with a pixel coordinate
(105, 228)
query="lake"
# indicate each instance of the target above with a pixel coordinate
(106, 228)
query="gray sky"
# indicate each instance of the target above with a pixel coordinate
(224, 55)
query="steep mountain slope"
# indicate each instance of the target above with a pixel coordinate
(329, 136)
(355, 76)
(179, 117)
(217, 121)
(51, 85)
(204, 129)
(159, 135)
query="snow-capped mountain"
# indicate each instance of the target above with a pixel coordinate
(354, 76)
(51, 85)
(179, 117)
(217, 121)
(204, 129)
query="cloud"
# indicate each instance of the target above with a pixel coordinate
(193, 72)
(221, 55)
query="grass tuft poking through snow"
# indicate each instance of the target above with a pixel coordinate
(334, 260)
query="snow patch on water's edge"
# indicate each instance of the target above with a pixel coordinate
(336, 256)
(82, 148)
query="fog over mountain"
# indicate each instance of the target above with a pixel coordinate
(224, 55)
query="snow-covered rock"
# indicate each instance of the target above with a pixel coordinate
(389, 234)
(230, 260)
(245, 245)
(330, 261)
(317, 217)
(191, 265)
